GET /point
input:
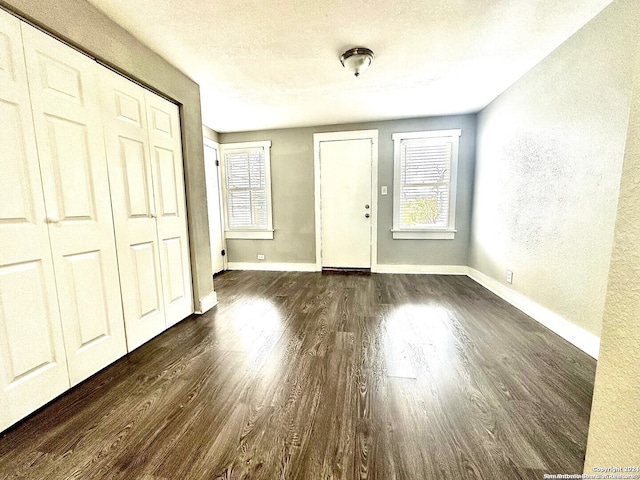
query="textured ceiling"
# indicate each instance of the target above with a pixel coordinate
(265, 64)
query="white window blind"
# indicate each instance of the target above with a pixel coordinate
(425, 166)
(425, 173)
(247, 189)
(246, 199)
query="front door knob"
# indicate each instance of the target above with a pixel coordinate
(366, 215)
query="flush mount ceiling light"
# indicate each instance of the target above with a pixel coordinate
(357, 60)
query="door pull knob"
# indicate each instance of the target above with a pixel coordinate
(366, 215)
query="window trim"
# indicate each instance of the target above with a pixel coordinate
(421, 233)
(253, 233)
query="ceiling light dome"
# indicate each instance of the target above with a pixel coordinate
(357, 60)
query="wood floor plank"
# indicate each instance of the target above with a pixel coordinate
(324, 376)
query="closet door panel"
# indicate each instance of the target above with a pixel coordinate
(33, 367)
(90, 307)
(127, 143)
(168, 180)
(69, 135)
(173, 259)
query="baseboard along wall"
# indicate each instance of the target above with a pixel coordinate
(273, 267)
(584, 340)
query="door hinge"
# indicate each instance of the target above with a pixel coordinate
(223, 253)
(217, 163)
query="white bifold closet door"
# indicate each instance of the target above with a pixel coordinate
(33, 368)
(69, 135)
(168, 185)
(93, 230)
(144, 152)
(134, 209)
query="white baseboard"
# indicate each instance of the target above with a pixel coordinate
(273, 267)
(423, 269)
(585, 341)
(207, 303)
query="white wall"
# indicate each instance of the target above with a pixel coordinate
(548, 167)
(614, 430)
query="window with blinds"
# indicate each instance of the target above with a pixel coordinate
(424, 184)
(247, 191)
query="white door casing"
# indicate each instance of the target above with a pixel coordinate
(214, 204)
(345, 183)
(33, 367)
(69, 136)
(134, 211)
(163, 119)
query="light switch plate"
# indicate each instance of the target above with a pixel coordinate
(383, 190)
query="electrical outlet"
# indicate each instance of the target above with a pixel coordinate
(260, 256)
(509, 276)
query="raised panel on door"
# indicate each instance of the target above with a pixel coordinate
(127, 145)
(345, 192)
(69, 135)
(168, 182)
(33, 367)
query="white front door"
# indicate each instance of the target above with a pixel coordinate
(69, 135)
(33, 368)
(216, 231)
(346, 203)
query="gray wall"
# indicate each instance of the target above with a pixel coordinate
(210, 134)
(548, 169)
(292, 184)
(80, 24)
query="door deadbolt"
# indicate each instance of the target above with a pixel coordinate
(367, 207)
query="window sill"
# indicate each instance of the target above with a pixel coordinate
(423, 234)
(249, 234)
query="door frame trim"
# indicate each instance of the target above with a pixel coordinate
(347, 135)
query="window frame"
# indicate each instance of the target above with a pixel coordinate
(421, 233)
(250, 232)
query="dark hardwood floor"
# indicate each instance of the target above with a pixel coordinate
(323, 376)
